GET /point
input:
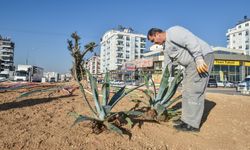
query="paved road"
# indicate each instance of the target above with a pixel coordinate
(229, 91)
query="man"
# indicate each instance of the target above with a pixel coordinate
(196, 56)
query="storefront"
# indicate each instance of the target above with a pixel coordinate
(232, 68)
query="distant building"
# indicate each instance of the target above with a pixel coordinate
(119, 46)
(6, 55)
(238, 37)
(52, 76)
(93, 65)
(230, 64)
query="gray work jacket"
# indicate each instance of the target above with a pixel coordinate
(183, 47)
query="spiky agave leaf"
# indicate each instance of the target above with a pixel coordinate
(153, 87)
(94, 89)
(163, 85)
(80, 118)
(17, 86)
(113, 128)
(170, 102)
(114, 99)
(40, 90)
(105, 89)
(118, 96)
(173, 88)
(129, 122)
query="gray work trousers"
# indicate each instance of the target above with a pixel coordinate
(193, 93)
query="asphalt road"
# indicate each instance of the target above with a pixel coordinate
(228, 91)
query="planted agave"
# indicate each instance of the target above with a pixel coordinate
(103, 117)
(158, 105)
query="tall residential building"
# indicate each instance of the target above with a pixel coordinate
(93, 65)
(119, 46)
(6, 55)
(238, 37)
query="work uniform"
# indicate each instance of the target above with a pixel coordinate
(183, 48)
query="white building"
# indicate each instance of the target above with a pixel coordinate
(93, 65)
(6, 55)
(119, 46)
(238, 37)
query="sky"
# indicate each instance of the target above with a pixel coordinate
(40, 28)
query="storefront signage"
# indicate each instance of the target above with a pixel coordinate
(226, 62)
(247, 64)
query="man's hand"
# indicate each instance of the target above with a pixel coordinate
(201, 66)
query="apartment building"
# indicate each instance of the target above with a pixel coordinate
(238, 37)
(6, 55)
(119, 46)
(93, 65)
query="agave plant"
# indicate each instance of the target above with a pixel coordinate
(102, 116)
(159, 103)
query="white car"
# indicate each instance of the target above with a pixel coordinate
(244, 85)
(229, 84)
(220, 84)
(3, 77)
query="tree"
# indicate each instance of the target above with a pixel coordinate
(77, 70)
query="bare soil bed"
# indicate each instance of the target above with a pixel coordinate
(42, 122)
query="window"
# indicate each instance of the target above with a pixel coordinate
(240, 33)
(247, 46)
(120, 43)
(143, 45)
(119, 55)
(119, 36)
(127, 44)
(143, 40)
(240, 47)
(239, 26)
(128, 38)
(136, 45)
(119, 49)
(247, 24)
(246, 33)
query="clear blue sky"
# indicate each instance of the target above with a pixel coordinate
(40, 29)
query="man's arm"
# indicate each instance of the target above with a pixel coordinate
(168, 63)
(191, 43)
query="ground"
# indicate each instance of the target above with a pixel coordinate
(39, 122)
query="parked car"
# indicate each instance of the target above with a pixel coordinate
(244, 85)
(212, 83)
(220, 84)
(3, 77)
(229, 84)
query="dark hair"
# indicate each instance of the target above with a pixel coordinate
(153, 31)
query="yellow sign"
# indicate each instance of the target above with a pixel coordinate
(247, 64)
(227, 62)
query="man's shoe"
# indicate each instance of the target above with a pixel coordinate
(177, 122)
(186, 128)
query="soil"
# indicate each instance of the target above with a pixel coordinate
(40, 121)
